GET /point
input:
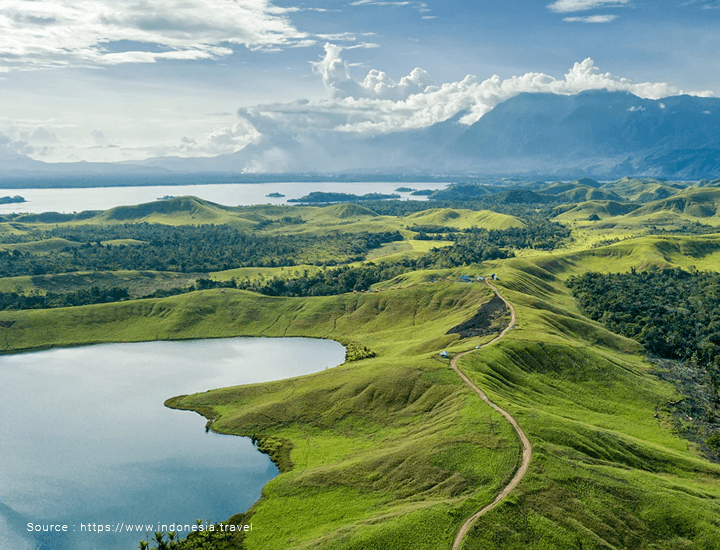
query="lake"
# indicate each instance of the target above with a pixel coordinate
(230, 194)
(86, 439)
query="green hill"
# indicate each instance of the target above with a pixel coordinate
(462, 219)
(347, 211)
(642, 189)
(576, 192)
(601, 209)
(393, 452)
(694, 203)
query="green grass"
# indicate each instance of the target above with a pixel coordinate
(607, 472)
(394, 452)
(380, 446)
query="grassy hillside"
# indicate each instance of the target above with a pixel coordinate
(587, 210)
(700, 203)
(462, 219)
(607, 471)
(642, 189)
(393, 451)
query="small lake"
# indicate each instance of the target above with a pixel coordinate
(229, 194)
(86, 439)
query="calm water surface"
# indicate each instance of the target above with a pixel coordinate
(230, 194)
(85, 437)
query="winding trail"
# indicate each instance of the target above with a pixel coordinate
(527, 448)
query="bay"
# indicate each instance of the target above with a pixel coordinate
(87, 441)
(67, 200)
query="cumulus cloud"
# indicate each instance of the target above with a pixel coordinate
(223, 140)
(57, 33)
(40, 135)
(99, 137)
(568, 6)
(378, 104)
(11, 148)
(377, 84)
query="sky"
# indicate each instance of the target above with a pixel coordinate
(117, 80)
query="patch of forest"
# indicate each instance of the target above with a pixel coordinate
(675, 314)
(185, 249)
(207, 248)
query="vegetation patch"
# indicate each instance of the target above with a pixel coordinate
(356, 352)
(490, 318)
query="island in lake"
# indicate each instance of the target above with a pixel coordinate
(275, 195)
(10, 200)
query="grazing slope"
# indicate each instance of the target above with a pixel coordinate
(394, 452)
(462, 219)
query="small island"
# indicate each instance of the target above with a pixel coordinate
(275, 195)
(404, 190)
(423, 193)
(10, 200)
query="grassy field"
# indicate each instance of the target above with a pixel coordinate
(607, 471)
(393, 451)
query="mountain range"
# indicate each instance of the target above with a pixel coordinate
(599, 134)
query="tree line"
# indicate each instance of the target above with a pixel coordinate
(186, 249)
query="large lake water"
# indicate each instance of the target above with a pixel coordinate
(85, 438)
(231, 194)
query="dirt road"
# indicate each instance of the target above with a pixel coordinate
(527, 448)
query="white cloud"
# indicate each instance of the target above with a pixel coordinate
(636, 108)
(377, 3)
(11, 147)
(57, 33)
(378, 104)
(422, 7)
(377, 85)
(591, 19)
(568, 6)
(99, 137)
(220, 141)
(40, 135)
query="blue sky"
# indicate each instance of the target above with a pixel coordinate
(127, 79)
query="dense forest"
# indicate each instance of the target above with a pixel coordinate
(187, 249)
(92, 295)
(676, 315)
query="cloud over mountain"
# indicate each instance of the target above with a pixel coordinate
(377, 104)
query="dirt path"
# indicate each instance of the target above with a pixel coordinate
(527, 448)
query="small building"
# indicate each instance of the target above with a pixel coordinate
(480, 278)
(465, 279)
(494, 277)
(444, 354)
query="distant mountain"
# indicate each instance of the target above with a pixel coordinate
(600, 134)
